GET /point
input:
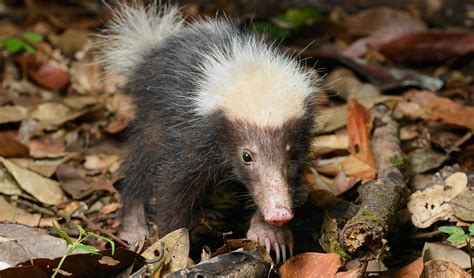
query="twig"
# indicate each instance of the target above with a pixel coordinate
(95, 228)
(425, 235)
(380, 198)
(35, 207)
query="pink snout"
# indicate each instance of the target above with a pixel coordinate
(278, 217)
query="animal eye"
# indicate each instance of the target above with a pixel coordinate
(247, 158)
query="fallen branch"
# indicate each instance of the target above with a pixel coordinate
(238, 263)
(381, 198)
(105, 232)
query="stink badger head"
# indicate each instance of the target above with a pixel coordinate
(269, 161)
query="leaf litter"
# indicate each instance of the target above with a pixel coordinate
(62, 125)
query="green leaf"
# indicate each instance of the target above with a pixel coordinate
(299, 17)
(33, 37)
(87, 248)
(274, 31)
(12, 45)
(81, 230)
(452, 230)
(112, 243)
(30, 49)
(457, 238)
(62, 234)
(471, 229)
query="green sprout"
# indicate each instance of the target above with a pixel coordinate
(283, 24)
(24, 43)
(297, 18)
(77, 245)
(275, 32)
(457, 234)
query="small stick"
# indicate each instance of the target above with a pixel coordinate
(94, 227)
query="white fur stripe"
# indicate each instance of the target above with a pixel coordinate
(135, 29)
(253, 83)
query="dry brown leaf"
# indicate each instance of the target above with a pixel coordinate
(48, 74)
(48, 222)
(74, 182)
(428, 46)
(43, 189)
(429, 206)
(353, 273)
(382, 20)
(86, 77)
(123, 109)
(28, 129)
(413, 270)
(380, 24)
(347, 171)
(331, 166)
(420, 181)
(176, 248)
(79, 102)
(234, 244)
(356, 167)
(445, 252)
(28, 243)
(359, 126)
(311, 265)
(44, 167)
(328, 143)
(71, 208)
(10, 147)
(13, 214)
(346, 85)
(12, 114)
(71, 41)
(8, 185)
(54, 114)
(102, 162)
(463, 205)
(110, 208)
(433, 203)
(427, 105)
(330, 119)
(425, 159)
(47, 147)
(443, 269)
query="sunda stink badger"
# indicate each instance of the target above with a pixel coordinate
(213, 102)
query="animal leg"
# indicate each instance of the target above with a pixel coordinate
(271, 237)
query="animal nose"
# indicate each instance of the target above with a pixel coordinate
(278, 217)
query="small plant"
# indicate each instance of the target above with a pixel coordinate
(17, 44)
(296, 18)
(281, 26)
(77, 245)
(457, 234)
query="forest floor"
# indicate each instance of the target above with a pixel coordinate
(389, 173)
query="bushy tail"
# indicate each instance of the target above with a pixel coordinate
(133, 30)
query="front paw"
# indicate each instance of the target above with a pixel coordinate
(271, 237)
(135, 237)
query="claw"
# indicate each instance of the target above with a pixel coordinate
(283, 252)
(291, 246)
(267, 245)
(277, 252)
(136, 246)
(133, 246)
